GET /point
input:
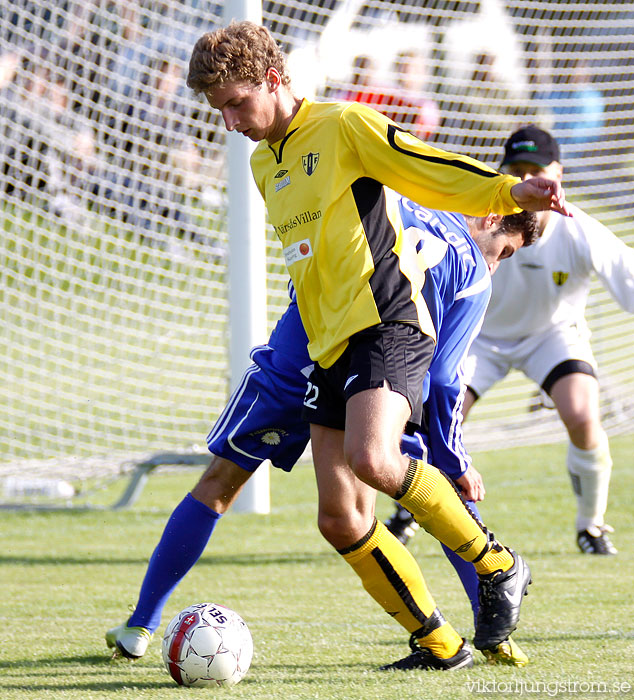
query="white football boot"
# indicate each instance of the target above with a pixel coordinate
(131, 642)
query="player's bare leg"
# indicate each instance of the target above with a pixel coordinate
(220, 484)
(387, 570)
(374, 421)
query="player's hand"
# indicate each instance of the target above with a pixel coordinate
(472, 485)
(540, 194)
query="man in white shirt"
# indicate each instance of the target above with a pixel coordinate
(535, 323)
(540, 328)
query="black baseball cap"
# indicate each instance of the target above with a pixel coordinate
(531, 145)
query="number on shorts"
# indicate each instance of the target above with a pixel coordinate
(312, 392)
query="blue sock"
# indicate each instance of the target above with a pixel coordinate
(184, 539)
(465, 570)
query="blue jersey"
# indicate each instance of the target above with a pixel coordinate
(261, 420)
(457, 289)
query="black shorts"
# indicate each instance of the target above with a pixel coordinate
(396, 353)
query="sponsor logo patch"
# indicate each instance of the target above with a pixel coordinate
(283, 183)
(298, 251)
(559, 278)
(306, 217)
(270, 436)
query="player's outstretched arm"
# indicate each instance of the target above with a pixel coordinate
(540, 194)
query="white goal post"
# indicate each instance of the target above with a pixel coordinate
(247, 264)
(117, 300)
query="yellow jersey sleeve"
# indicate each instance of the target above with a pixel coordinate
(433, 177)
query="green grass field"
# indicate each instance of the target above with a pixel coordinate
(68, 576)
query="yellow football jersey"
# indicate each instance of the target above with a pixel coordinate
(342, 238)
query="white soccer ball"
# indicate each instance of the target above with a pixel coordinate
(207, 644)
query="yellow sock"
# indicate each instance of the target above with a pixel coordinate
(494, 560)
(437, 507)
(443, 643)
(433, 501)
(390, 574)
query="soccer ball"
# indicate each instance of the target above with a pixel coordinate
(207, 644)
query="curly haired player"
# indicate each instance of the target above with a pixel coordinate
(360, 283)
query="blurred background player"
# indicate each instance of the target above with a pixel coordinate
(406, 101)
(535, 323)
(548, 339)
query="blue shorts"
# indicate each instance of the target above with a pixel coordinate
(263, 417)
(416, 446)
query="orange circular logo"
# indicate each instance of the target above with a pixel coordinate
(304, 248)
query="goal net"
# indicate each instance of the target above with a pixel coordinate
(114, 300)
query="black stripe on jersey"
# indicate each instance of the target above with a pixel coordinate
(278, 158)
(390, 288)
(429, 295)
(470, 167)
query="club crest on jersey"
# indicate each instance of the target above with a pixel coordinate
(559, 278)
(310, 162)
